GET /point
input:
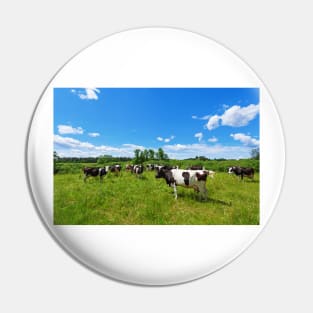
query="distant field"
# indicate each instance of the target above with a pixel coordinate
(128, 200)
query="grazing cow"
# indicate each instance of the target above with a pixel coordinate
(186, 178)
(114, 168)
(138, 170)
(129, 167)
(241, 171)
(150, 167)
(166, 167)
(94, 171)
(195, 167)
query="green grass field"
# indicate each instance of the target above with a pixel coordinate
(128, 200)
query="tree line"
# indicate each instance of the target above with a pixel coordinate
(141, 156)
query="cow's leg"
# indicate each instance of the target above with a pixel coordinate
(196, 188)
(203, 192)
(85, 178)
(175, 191)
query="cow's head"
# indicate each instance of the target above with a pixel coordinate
(231, 170)
(165, 172)
(160, 172)
(202, 176)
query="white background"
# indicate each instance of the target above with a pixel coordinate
(274, 274)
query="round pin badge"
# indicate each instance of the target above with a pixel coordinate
(155, 156)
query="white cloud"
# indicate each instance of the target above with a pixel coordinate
(212, 139)
(177, 147)
(181, 151)
(66, 146)
(246, 139)
(71, 142)
(235, 116)
(166, 139)
(199, 136)
(107, 149)
(67, 129)
(87, 94)
(70, 147)
(93, 135)
(205, 117)
(213, 122)
(169, 139)
(132, 146)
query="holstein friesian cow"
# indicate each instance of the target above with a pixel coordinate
(94, 171)
(113, 168)
(195, 179)
(165, 167)
(200, 167)
(129, 167)
(150, 167)
(138, 170)
(241, 171)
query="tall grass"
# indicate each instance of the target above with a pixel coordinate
(128, 200)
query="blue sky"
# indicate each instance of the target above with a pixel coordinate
(185, 122)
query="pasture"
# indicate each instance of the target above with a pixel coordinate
(128, 200)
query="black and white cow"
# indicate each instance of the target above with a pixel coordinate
(241, 171)
(150, 167)
(138, 170)
(195, 179)
(129, 167)
(200, 167)
(113, 168)
(94, 171)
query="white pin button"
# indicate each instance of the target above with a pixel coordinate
(155, 156)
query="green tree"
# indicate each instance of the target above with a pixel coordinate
(55, 156)
(160, 154)
(55, 160)
(137, 153)
(145, 155)
(255, 153)
(151, 154)
(140, 156)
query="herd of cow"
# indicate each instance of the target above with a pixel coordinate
(193, 177)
